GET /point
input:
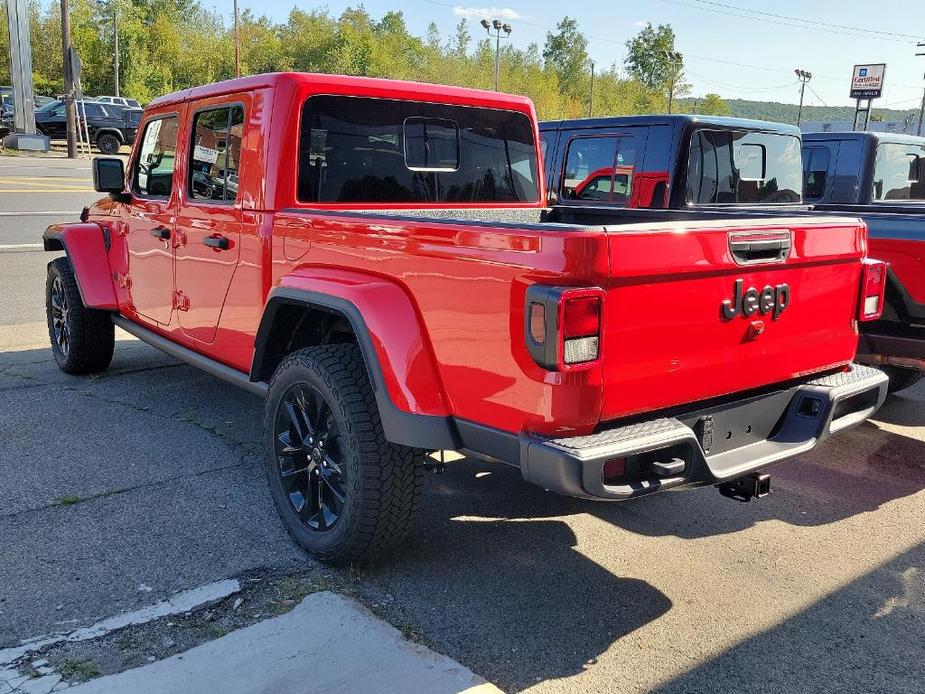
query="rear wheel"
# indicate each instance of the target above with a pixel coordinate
(108, 143)
(901, 378)
(343, 491)
(82, 339)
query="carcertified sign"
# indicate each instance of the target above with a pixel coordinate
(206, 154)
(867, 81)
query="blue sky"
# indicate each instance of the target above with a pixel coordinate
(727, 49)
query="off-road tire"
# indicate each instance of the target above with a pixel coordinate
(901, 378)
(90, 332)
(108, 143)
(383, 481)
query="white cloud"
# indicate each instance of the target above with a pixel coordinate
(486, 12)
(639, 24)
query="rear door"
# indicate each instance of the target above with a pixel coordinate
(148, 220)
(208, 239)
(700, 310)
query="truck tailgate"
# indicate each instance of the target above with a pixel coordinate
(669, 338)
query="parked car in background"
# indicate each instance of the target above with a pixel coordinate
(385, 272)
(880, 177)
(110, 126)
(118, 101)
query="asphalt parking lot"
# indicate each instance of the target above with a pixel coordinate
(120, 489)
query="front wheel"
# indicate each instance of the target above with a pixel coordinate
(82, 339)
(343, 491)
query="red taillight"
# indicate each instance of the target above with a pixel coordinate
(582, 317)
(873, 289)
(562, 326)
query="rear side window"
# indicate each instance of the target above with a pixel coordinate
(816, 162)
(899, 172)
(152, 175)
(359, 150)
(741, 167)
(215, 153)
(600, 169)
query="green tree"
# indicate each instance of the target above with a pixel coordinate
(649, 59)
(713, 105)
(566, 55)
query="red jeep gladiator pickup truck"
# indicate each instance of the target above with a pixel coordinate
(370, 257)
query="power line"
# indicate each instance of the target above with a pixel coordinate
(817, 96)
(814, 22)
(795, 24)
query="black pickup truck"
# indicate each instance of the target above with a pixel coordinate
(110, 126)
(880, 178)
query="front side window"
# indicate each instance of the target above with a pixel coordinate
(360, 150)
(899, 172)
(816, 162)
(215, 154)
(740, 167)
(152, 175)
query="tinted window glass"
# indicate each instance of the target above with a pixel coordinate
(736, 167)
(816, 162)
(216, 153)
(93, 110)
(899, 173)
(589, 165)
(153, 171)
(600, 168)
(357, 150)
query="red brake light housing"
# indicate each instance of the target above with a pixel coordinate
(563, 328)
(873, 289)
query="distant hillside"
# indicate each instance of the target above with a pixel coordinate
(787, 113)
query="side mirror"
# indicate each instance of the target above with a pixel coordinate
(108, 175)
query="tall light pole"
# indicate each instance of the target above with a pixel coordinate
(922, 109)
(237, 43)
(675, 58)
(498, 26)
(804, 77)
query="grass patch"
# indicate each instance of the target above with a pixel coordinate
(66, 500)
(78, 669)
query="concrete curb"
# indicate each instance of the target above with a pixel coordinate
(328, 643)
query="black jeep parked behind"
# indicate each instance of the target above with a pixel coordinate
(110, 126)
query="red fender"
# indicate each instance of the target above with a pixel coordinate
(87, 250)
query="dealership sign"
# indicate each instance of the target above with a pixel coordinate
(867, 81)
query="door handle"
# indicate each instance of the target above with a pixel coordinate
(163, 233)
(219, 242)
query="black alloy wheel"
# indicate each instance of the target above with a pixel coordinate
(309, 458)
(60, 313)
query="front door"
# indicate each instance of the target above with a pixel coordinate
(149, 221)
(208, 234)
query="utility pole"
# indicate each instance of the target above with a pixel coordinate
(591, 94)
(922, 109)
(804, 77)
(115, 50)
(675, 57)
(498, 26)
(68, 81)
(237, 43)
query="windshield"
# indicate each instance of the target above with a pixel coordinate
(739, 167)
(48, 107)
(899, 172)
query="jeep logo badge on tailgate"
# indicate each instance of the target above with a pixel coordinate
(773, 300)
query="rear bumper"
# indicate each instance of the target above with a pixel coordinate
(747, 435)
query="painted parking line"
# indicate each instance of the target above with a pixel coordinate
(37, 213)
(17, 247)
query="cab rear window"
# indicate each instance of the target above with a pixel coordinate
(361, 150)
(739, 167)
(899, 172)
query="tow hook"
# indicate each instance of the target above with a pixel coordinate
(746, 488)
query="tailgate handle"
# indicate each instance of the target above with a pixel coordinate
(764, 248)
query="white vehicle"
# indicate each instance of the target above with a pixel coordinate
(118, 101)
